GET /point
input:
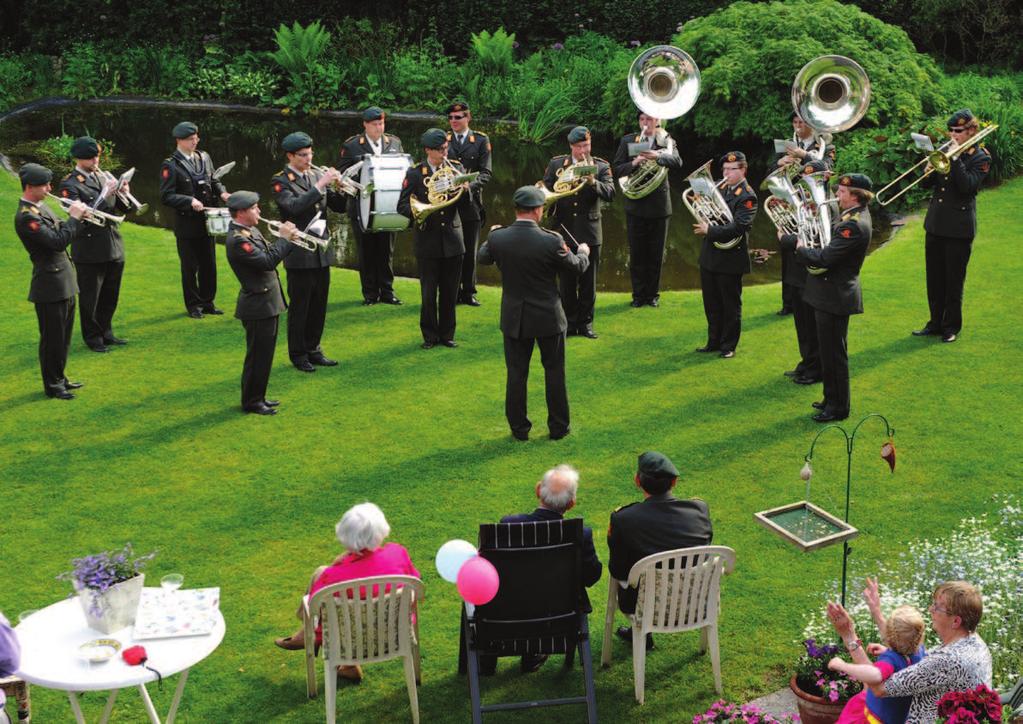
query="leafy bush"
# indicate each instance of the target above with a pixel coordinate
(55, 153)
(83, 74)
(299, 48)
(494, 52)
(15, 77)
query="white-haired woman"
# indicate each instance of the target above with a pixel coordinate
(362, 531)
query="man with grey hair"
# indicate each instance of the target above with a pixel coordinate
(556, 492)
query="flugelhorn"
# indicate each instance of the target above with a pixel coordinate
(91, 216)
(301, 238)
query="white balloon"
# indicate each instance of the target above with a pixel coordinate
(452, 556)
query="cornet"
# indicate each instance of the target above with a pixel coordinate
(91, 216)
(123, 194)
(301, 239)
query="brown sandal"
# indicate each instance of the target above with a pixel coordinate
(350, 673)
(289, 643)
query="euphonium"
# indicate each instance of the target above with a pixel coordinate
(570, 181)
(441, 192)
(301, 240)
(647, 178)
(781, 205)
(814, 214)
(91, 216)
(708, 206)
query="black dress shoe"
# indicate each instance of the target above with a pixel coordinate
(60, 395)
(531, 663)
(625, 634)
(449, 343)
(271, 403)
(195, 314)
(559, 435)
(216, 311)
(428, 345)
(949, 338)
(801, 380)
(636, 303)
(727, 354)
(825, 416)
(472, 301)
(588, 333)
(818, 405)
(653, 303)
(98, 347)
(707, 348)
(114, 340)
(393, 300)
(784, 311)
(368, 302)
(322, 360)
(304, 366)
(68, 385)
(523, 436)
(925, 331)
(260, 409)
(792, 373)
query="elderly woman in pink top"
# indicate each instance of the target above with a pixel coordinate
(361, 531)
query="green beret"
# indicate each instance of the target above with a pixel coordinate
(732, 157)
(433, 138)
(32, 174)
(578, 134)
(296, 141)
(814, 167)
(856, 181)
(457, 107)
(185, 129)
(373, 113)
(655, 465)
(241, 200)
(527, 197)
(960, 118)
(84, 147)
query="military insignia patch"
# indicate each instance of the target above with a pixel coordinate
(973, 150)
(342, 152)
(845, 181)
(985, 167)
(749, 203)
(425, 170)
(33, 209)
(489, 147)
(404, 183)
(472, 138)
(65, 193)
(247, 247)
(449, 136)
(81, 178)
(291, 176)
(738, 191)
(731, 157)
(362, 139)
(846, 233)
(165, 172)
(244, 232)
(277, 187)
(33, 225)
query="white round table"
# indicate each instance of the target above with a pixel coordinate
(49, 658)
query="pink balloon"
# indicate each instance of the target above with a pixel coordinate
(478, 581)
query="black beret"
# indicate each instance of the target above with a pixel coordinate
(457, 107)
(656, 465)
(960, 117)
(527, 197)
(578, 134)
(856, 181)
(732, 157)
(241, 200)
(185, 129)
(373, 113)
(84, 147)
(433, 138)
(296, 141)
(814, 167)
(32, 174)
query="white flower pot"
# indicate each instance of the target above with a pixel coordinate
(117, 605)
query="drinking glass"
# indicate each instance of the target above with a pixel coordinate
(170, 583)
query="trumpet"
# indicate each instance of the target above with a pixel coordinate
(705, 202)
(301, 238)
(347, 184)
(125, 195)
(939, 160)
(92, 216)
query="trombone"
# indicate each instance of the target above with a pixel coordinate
(939, 160)
(91, 216)
(301, 238)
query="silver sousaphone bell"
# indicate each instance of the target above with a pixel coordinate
(664, 82)
(831, 93)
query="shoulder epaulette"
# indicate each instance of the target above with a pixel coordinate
(66, 177)
(602, 160)
(350, 139)
(244, 232)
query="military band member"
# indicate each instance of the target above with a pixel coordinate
(951, 224)
(98, 251)
(53, 285)
(302, 195)
(187, 186)
(472, 149)
(805, 147)
(438, 245)
(724, 258)
(646, 219)
(578, 216)
(375, 248)
(254, 261)
(835, 294)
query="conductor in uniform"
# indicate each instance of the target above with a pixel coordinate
(471, 149)
(530, 258)
(646, 218)
(53, 285)
(835, 294)
(438, 245)
(724, 258)
(187, 185)
(303, 195)
(579, 216)
(660, 522)
(375, 248)
(98, 251)
(951, 225)
(254, 261)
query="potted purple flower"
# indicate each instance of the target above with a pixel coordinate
(109, 586)
(821, 693)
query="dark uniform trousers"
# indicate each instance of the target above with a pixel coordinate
(375, 273)
(646, 218)
(579, 293)
(474, 155)
(182, 180)
(308, 290)
(260, 343)
(722, 304)
(946, 259)
(832, 332)
(99, 288)
(56, 322)
(789, 292)
(471, 235)
(517, 355)
(438, 278)
(806, 336)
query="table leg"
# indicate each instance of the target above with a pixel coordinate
(150, 709)
(73, 698)
(182, 678)
(109, 707)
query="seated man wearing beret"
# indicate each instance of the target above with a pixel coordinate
(661, 522)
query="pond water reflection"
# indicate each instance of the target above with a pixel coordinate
(142, 139)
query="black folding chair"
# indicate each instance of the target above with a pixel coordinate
(540, 607)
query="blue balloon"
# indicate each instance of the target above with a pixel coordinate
(452, 556)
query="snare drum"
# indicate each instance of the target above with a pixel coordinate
(378, 210)
(217, 221)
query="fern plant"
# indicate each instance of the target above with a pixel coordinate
(299, 48)
(495, 52)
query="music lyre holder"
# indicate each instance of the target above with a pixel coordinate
(809, 527)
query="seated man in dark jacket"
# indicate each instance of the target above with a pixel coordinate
(556, 492)
(661, 522)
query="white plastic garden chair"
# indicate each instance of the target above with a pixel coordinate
(678, 590)
(363, 621)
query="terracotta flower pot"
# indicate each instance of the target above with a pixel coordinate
(815, 709)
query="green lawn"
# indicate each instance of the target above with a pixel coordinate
(155, 451)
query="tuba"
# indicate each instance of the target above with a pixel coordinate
(570, 181)
(705, 202)
(664, 82)
(441, 191)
